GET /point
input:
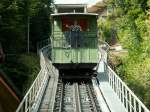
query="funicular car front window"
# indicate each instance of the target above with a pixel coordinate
(68, 36)
(73, 30)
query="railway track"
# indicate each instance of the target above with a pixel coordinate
(76, 97)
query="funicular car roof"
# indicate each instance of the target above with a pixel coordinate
(68, 14)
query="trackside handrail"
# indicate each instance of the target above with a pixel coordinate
(130, 101)
(43, 43)
(32, 99)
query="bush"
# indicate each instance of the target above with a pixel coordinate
(22, 70)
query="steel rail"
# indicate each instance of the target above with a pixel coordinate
(84, 98)
(77, 98)
(77, 93)
(69, 90)
(64, 95)
(61, 98)
(92, 98)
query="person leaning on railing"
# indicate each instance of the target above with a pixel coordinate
(75, 34)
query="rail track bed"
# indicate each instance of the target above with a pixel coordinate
(76, 96)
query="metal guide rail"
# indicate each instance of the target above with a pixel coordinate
(76, 97)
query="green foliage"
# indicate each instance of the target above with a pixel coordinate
(131, 20)
(22, 70)
(41, 26)
(15, 15)
(10, 28)
(138, 78)
(32, 65)
(105, 30)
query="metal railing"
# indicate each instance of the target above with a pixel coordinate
(63, 39)
(32, 99)
(130, 101)
(41, 44)
(87, 42)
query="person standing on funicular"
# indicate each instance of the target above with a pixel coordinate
(75, 35)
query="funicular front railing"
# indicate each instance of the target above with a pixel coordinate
(63, 40)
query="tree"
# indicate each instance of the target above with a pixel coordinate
(11, 31)
(29, 10)
(41, 26)
(15, 18)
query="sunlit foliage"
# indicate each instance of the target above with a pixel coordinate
(130, 19)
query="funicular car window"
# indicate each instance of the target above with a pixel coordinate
(73, 36)
(67, 21)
